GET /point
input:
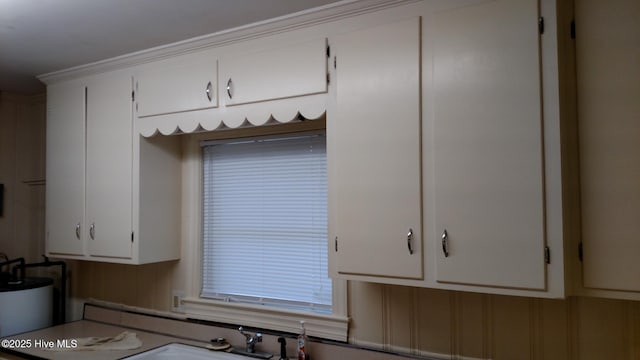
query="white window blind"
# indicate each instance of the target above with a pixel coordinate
(265, 222)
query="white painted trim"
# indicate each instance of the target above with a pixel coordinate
(328, 326)
(332, 327)
(405, 351)
(314, 16)
(272, 112)
(134, 309)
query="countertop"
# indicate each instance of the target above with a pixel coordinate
(86, 328)
(156, 329)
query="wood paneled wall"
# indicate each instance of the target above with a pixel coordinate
(148, 286)
(427, 322)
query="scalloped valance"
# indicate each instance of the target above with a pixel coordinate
(233, 117)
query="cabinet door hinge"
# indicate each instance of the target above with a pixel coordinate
(541, 25)
(86, 95)
(132, 237)
(572, 30)
(133, 95)
(580, 252)
(547, 255)
(336, 244)
(328, 51)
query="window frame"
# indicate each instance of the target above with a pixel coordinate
(289, 141)
(332, 326)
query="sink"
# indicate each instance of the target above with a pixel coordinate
(184, 352)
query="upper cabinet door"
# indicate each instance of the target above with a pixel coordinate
(183, 83)
(608, 85)
(109, 165)
(294, 70)
(487, 145)
(65, 168)
(373, 150)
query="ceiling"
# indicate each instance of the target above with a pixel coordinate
(41, 36)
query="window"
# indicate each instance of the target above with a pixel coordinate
(265, 222)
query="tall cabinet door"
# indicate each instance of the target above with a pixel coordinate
(487, 145)
(373, 152)
(608, 79)
(65, 168)
(109, 165)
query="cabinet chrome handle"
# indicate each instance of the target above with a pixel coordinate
(445, 243)
(209, 91)
(78, 231)
(230, 88)
(92, 231)
(410, 241)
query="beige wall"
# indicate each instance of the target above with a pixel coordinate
(22, 171)
(395, 318)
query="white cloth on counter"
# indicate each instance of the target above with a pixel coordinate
(124, 341)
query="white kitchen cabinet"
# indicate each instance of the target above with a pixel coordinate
(487, 146)
(287, 71)
(182, 83)
(65, 228)
(98, 200)
(373, 153)
(442, 116)
(445, 136)
(89, 164)
(89, 148)
(109, 165)
(608, 89)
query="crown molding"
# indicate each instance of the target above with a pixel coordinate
(319, 15)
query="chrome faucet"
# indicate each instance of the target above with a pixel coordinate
(251, 340)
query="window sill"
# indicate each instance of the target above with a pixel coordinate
(324, 326)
